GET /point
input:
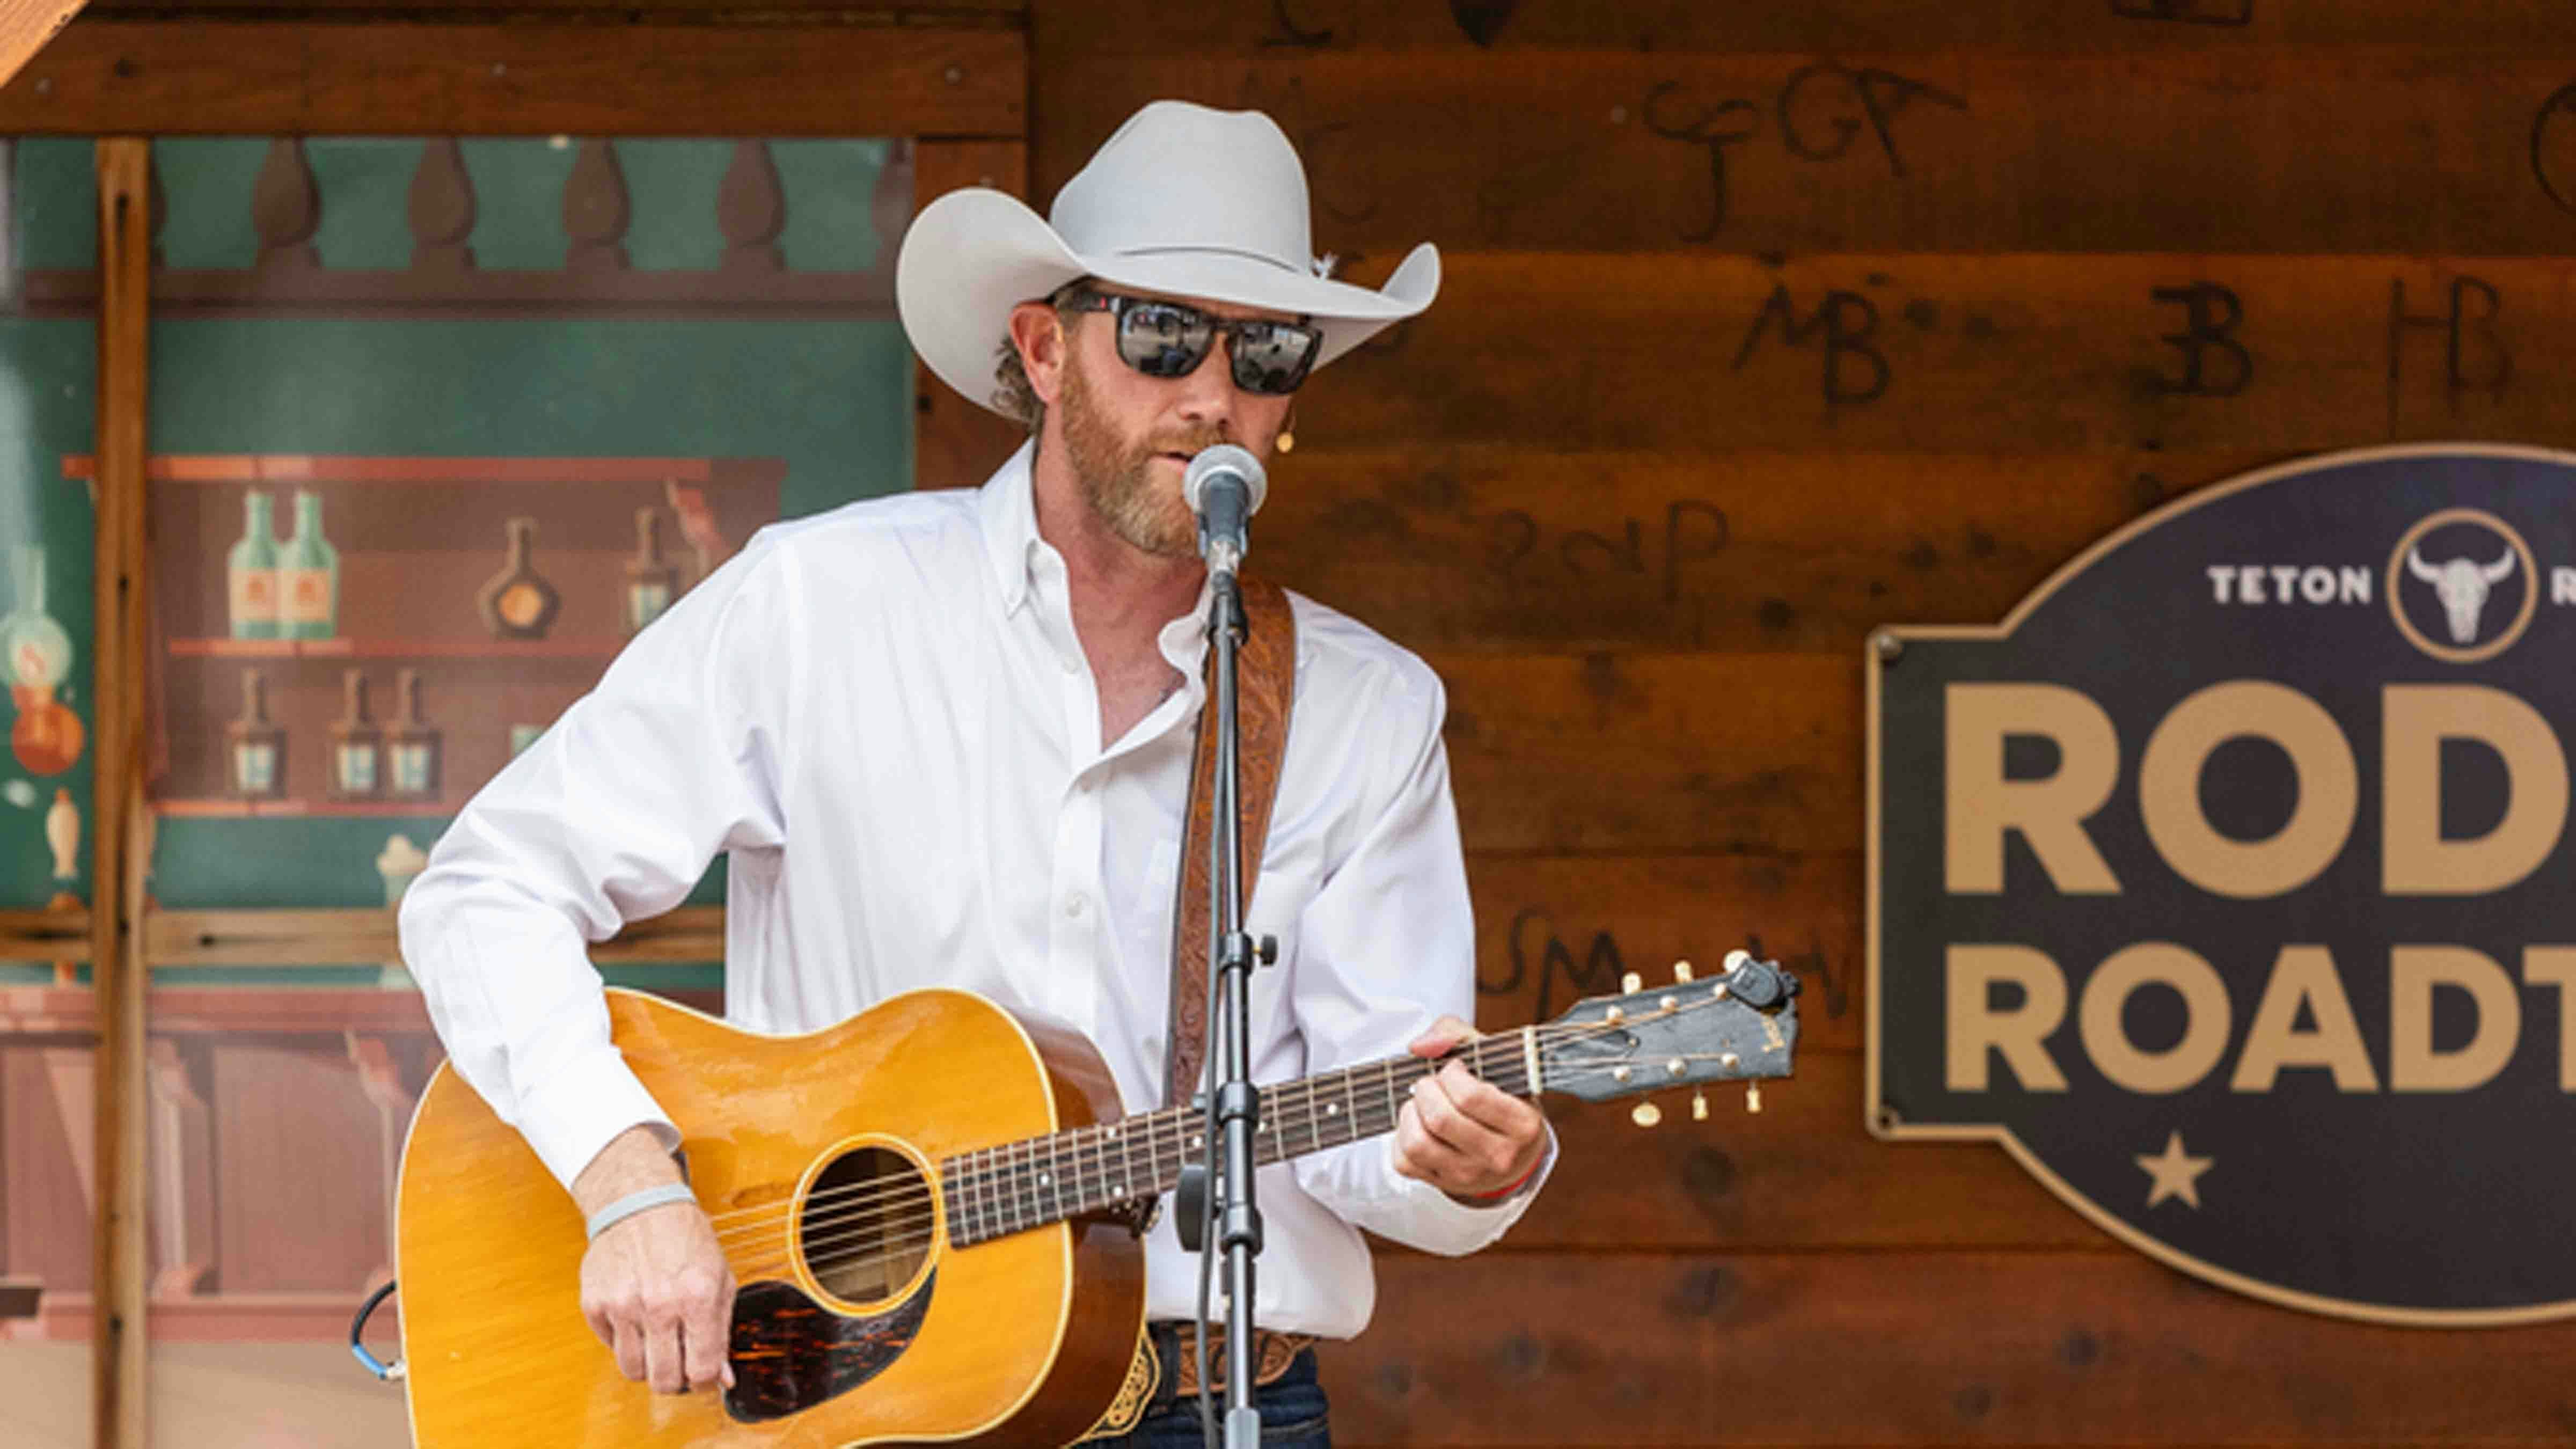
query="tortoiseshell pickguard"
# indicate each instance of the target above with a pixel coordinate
(791, 1353)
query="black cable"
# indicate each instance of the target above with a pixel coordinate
(385, 1372)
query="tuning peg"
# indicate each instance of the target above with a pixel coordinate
(1753, 1096)
(1699, 1106)
(1681, 971)
(1632, 983)
(1647, 1114)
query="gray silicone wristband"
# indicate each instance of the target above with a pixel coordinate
(636, 1202)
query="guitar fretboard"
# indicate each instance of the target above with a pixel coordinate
(1042, 1180)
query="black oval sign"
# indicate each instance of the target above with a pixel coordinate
(2227, 883)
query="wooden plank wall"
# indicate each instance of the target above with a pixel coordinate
(1764, 324)
(1766, 321)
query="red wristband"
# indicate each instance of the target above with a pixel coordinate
(1500, 1193)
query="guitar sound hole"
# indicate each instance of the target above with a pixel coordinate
(866, 1225)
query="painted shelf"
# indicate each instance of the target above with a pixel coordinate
(200, 809)
(594, 649)
(418, 540)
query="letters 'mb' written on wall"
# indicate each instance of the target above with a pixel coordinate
(2224, 883)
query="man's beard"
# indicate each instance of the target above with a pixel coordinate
(1117, 478)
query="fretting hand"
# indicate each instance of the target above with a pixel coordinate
(1462, 1134)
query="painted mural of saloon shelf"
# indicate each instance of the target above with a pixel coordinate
(2224, 884)
(421, 575)
(934, 1211)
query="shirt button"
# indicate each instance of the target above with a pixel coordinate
(1075, 906)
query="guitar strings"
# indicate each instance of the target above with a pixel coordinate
(883, 1196)
(843, 1204)
(916, 1192)
(916, 1229)
(847, 1228)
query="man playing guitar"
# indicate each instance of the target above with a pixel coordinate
(946, 739)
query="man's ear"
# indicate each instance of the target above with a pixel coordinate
(1039, 334)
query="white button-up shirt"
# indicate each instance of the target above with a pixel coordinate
(884, 715)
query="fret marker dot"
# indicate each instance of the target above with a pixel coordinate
(1330, 1108)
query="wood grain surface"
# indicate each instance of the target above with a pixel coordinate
(403, 75)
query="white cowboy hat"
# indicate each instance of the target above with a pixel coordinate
(1183, 200)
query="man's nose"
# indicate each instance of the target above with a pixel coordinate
(1207, 394)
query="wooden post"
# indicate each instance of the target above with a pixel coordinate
(117, 970)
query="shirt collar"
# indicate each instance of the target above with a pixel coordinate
(1008, 503)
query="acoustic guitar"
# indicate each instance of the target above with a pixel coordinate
(932, 1211)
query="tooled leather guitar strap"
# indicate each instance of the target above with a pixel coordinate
(1266, 685)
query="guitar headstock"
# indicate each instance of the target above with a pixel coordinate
(1741, 1025)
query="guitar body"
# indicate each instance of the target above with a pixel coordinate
(1023, 1339)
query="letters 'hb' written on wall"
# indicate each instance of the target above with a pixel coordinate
(436, 427)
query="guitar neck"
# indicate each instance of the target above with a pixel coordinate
(1041, 1180)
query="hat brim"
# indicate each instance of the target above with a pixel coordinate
(973, 255)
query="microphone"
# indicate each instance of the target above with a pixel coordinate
(1224, 486)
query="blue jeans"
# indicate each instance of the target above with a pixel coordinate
(1292, 1415)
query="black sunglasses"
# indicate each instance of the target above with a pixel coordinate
(1170, 339)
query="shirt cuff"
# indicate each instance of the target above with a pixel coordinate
(1460, 1227)
(574, 1113)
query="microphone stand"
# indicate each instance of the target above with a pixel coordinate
(1231, 957)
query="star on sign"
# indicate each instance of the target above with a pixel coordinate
(2175, 1173)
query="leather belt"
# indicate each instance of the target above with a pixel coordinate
(1273, 1351)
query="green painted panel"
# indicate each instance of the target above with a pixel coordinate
(53, 203)
(205, 198)
(47, 541)
(363, 185)
(308, 864)
(827, 396)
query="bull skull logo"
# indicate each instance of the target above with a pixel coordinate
(2463, 585)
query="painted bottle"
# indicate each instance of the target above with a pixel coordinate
(411, 743)
(357, 746)
(38, 650)
(651, 580)
(250, 572)
(517, 602)
(308, 575)
(255, 749)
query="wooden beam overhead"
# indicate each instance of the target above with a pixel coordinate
(194, 77)
(25, 26)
